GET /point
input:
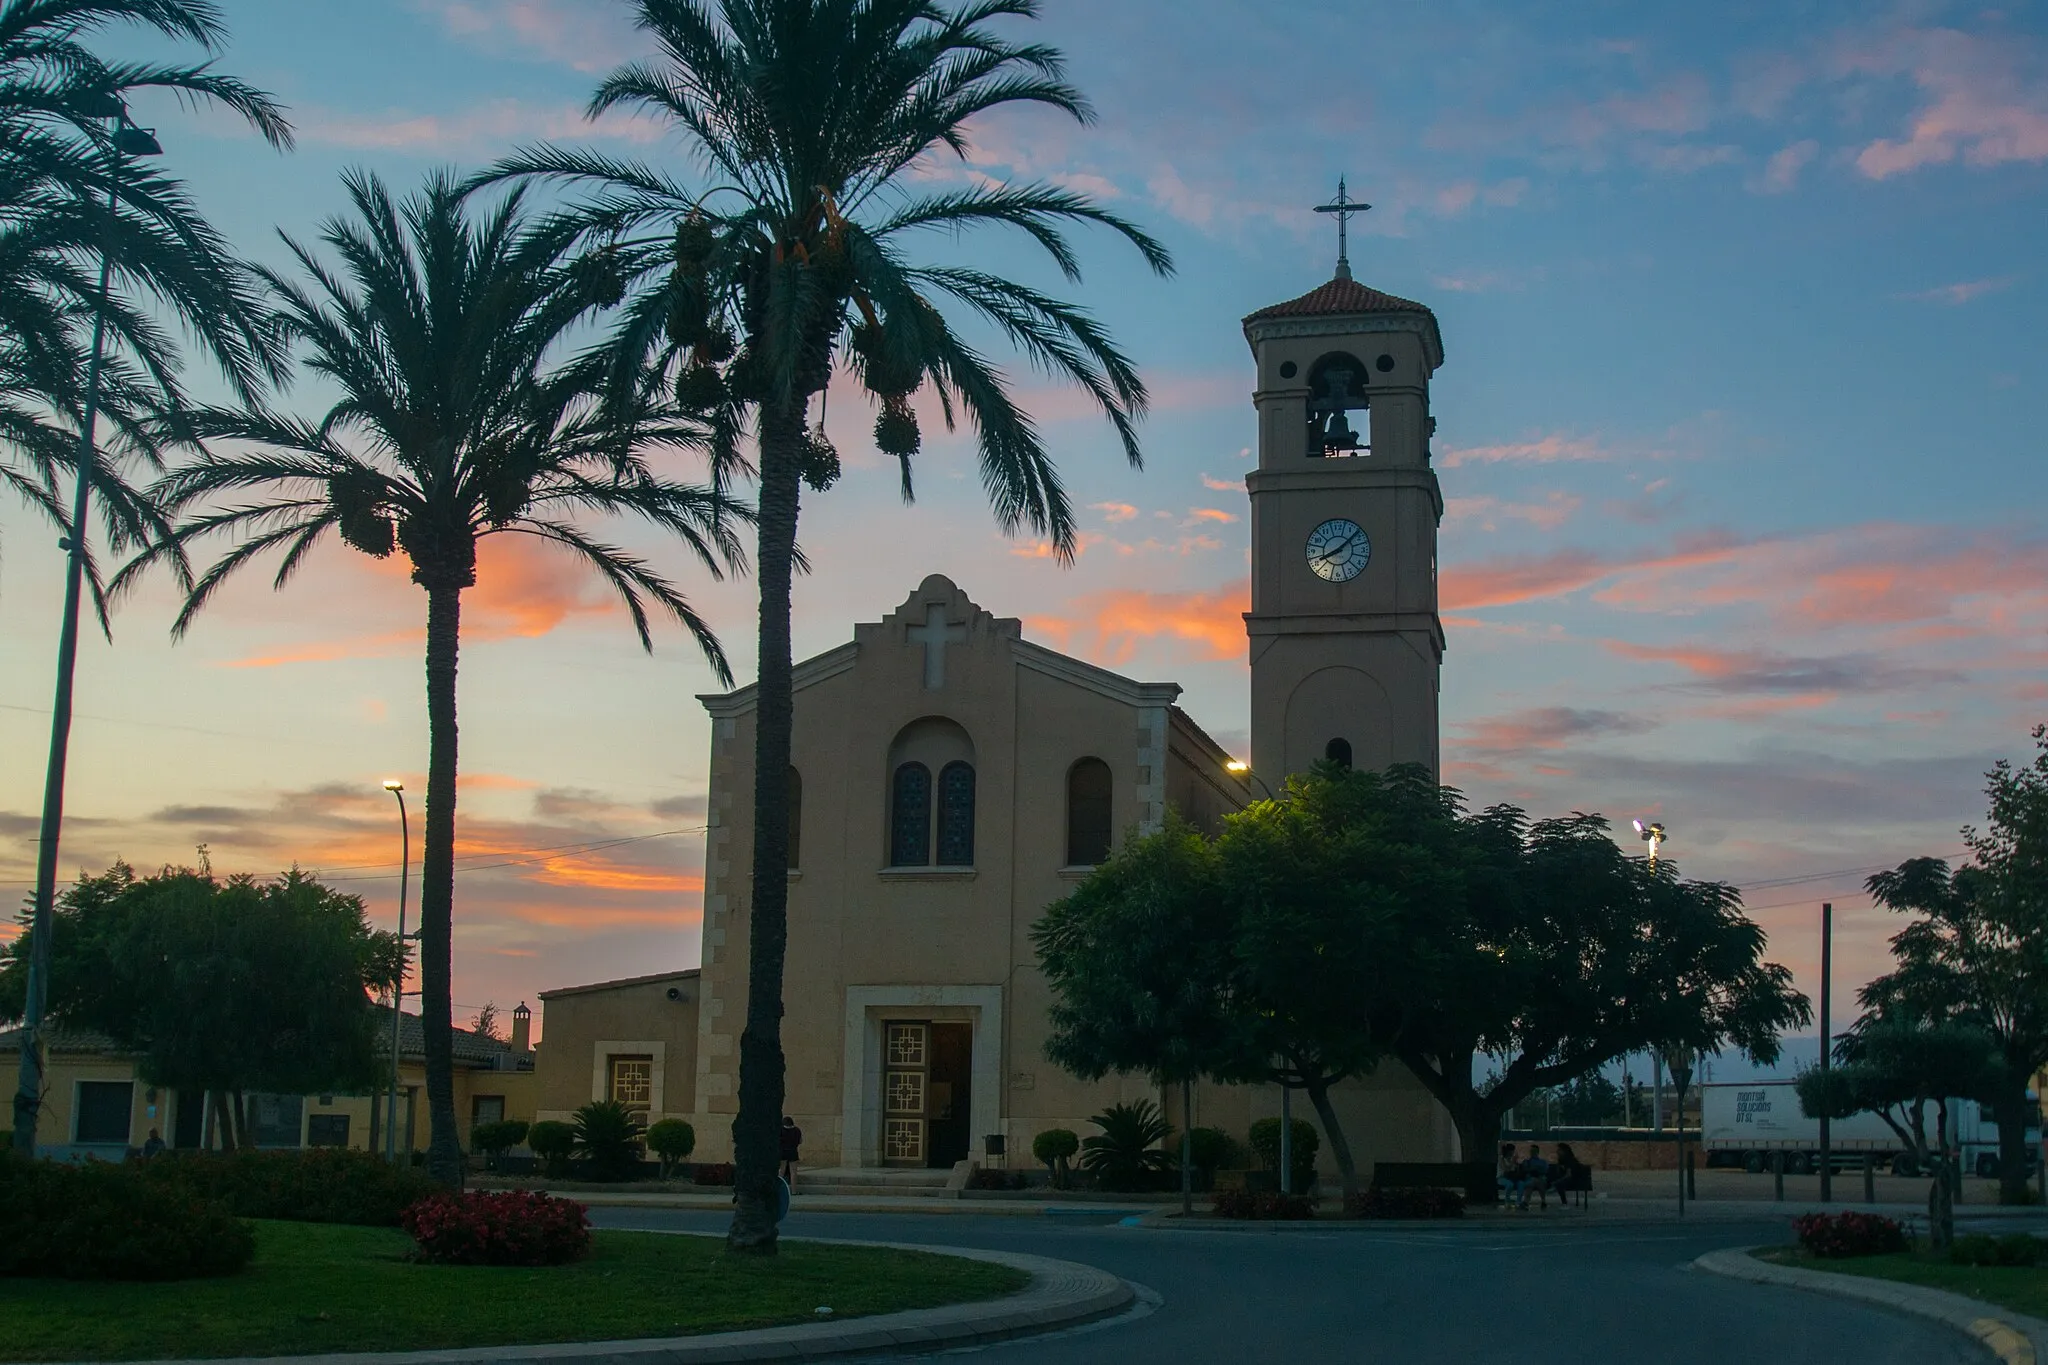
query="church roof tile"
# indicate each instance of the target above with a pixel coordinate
(1339, 297)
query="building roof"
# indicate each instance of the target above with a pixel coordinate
(1338, 298)
(620, 984)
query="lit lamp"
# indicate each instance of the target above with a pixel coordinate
(1653, 835)
(1237, 767)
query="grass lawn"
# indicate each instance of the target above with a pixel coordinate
(2024, 1289)
(320, 1287)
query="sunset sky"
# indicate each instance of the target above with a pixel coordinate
(1739, 435)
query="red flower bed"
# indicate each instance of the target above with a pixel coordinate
(508, 1227)
(1262, 1204)
(1407, 1203)
(1848, 1234)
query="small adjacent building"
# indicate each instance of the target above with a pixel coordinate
(97, 1103)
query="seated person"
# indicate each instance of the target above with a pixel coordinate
(1568, 1172)
(1513, 1178)
(1538, 1173)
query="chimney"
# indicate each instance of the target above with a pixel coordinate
(522, 1029)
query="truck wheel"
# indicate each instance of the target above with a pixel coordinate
(1903, 1164)
(1987, 1165)
(1753, 1162)
(1800, 1164)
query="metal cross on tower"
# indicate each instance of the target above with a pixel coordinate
(1346, 208)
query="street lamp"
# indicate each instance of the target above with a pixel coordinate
(397, 789)
(1237, 767)
(1653, 835)
(126, 140)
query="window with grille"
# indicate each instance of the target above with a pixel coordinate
(956, 815)
(632, 1081)
(910, 816)
(327, 1130)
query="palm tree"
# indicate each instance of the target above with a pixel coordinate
(93, 246)
(818, 120)
(454, 423)
(69, 200)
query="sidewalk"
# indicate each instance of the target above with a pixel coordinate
(964, 1203)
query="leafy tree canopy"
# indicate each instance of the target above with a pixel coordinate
(1368, 914)
(219, 985)
(1977, 952)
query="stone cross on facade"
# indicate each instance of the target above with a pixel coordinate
(935, 635)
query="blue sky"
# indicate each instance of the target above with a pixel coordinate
(1742, 307)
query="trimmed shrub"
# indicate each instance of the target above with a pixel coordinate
(1211, 1150)
(1406, 1203)
(1054, 1148)
(100, 1221)
(983, 1179)
(318, 1185)
(608, 1137)
(1265, 1136)
(1262, 1204)
(672, 1140)
(552, 1141)
(503, 1227)
(495, 1139)
(712, 1173)
(1848, 1234)
(2013, 1249)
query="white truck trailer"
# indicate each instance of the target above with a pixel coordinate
(1743, 1122)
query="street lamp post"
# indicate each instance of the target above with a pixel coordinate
(1827, 953)
(127, 140)
(397, 789)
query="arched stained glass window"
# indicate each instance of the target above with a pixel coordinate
(910, 816)
(956, 815)
(1088, 812)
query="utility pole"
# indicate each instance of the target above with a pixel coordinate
(1827, 951)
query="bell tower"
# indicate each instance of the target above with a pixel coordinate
(1346, 644)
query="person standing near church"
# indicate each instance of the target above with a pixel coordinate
(792, 1139)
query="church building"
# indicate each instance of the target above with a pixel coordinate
(951, 779)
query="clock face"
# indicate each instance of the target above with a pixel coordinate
(1338, 550)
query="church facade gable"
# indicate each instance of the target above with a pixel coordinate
(954, 780)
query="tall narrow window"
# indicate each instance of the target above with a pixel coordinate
(1088, 812)
(796, 818)
(910, 816)
(956, 815)
(1338, 751)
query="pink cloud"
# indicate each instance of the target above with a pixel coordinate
(1552, 449)
(1781, 172)
(1987, 102)
(1964, 291)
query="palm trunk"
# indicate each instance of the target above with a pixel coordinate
(437, 883)
(755, 1129)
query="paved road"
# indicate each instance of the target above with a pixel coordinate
(1521, 1295)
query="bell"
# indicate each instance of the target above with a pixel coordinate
(1338, 435)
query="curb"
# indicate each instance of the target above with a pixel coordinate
(2014, 1338)
(1061, 1294)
